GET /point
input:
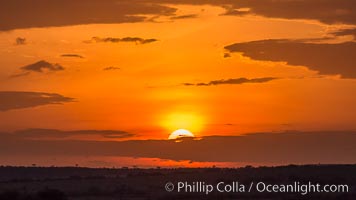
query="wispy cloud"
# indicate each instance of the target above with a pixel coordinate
(38, 67)
(42, 66)
(55, 134)
(72, 55)
(111, 68)
(136, 40)
(10, 100)
(19, 75)
(227, 55)
(190, 16)
(20, 41)
(233, 81)
(344, 32)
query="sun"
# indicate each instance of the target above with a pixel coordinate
(180, 133)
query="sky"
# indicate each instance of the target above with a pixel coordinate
(104, 83)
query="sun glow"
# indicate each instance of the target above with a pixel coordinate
(180, 133)
(187, 121)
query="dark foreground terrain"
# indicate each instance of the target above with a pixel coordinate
(60, 183)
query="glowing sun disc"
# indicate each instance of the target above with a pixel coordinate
(180, 133)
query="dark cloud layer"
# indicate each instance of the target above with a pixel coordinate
(277, 148)
(328, 59)
(136, 40)
(233, 81)
(49, 134)
(72, 55)
(42, 66)
(17, 14)
(10, 100)
(326, 11)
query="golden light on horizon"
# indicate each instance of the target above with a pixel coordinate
(180, 133)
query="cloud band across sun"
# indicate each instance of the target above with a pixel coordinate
(274, 148)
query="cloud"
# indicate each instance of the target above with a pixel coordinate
(345, 32)
(19, 14)
(72, 55)
(68, 12)
(190, 16)
(327, 147)
(10, 100)
(111, 68)
(227, 55)
(328, 59)
(19, 75)
(20, 41)
(232, 81)
(53, 134)
(42, 66)
(136, 40)
(326, 11)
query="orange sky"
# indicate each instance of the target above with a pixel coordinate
(143, 93)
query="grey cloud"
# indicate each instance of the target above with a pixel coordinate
(59, 134)
(42, 66)
(10, 100)
(72, 55)
(20, 41)
(327, 147)
(136, 40)
(19, 14)
(328, 59)
(232, 81)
